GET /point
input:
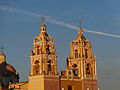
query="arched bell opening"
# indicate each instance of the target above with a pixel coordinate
(36, 68)
(86, 53)
(75, 69)
(38, 50)
(89, 70)
(76, 54)
(50, 66)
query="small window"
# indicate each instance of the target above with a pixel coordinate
(73, 43)
(38, 52)
(87, 70)
(88, 89)
(43, 29)
(86, 53)
(69, 87)
(76, 43)
(36, 40)
(75, 72)
(76, 53)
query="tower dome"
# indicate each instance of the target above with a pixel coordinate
(7, 72)
(7, 69)
(10, 68)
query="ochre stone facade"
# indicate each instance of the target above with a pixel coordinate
(80, 73)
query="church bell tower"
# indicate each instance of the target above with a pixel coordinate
(81, 65)
(81, 60)
(43, 58)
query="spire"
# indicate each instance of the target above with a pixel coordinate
(43, 26)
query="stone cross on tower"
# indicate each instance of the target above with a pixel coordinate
(1, 49)
(42, 18)
(81, 23)
(43, 26)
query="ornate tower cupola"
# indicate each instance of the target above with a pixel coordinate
(43, 55)
(81, 61)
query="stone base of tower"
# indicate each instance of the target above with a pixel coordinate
(89, 84)
(76, 83)
(44, 82)
(71, 83)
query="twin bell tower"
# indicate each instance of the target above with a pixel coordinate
(80, 73)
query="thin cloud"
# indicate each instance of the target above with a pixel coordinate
(51, 20)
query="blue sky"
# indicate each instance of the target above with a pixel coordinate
(17, 31)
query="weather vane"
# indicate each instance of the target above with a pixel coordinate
(2, 49)
(42, 18)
